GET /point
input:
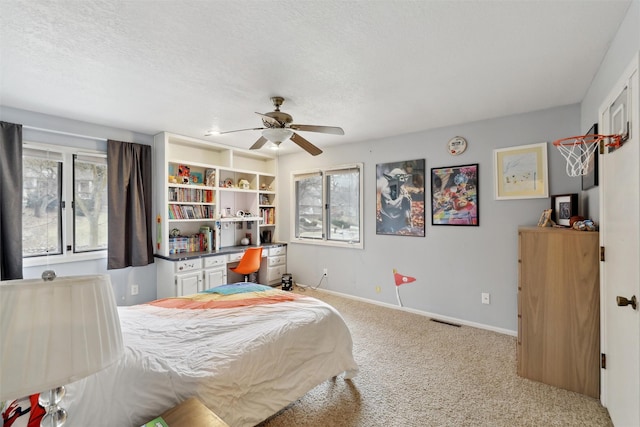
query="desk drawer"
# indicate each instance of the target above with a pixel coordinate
(277, 260)
(235, 257)
(214, 261)
(275, 273)
(277, 250)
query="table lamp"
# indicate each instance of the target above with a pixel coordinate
(55, 332)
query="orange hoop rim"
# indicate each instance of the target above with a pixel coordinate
(589, 139)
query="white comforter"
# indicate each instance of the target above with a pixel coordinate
(244, 363)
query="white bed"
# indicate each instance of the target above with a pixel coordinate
(243, 363)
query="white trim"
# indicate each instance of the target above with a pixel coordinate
(63, 259)
(421, 313)
(59, 132)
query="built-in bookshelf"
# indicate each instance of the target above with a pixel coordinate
(209, 195)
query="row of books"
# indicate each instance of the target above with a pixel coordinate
(190, 195)
(204, 241)
(191, 212)
(268, 215)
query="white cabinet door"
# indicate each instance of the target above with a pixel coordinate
(188, 284)
(214, 277)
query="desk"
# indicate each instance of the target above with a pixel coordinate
(192, 413)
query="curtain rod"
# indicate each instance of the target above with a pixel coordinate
(59, 132)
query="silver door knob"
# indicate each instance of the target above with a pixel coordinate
(622, 301)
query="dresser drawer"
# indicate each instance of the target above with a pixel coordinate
(277, 250)
(277, 260)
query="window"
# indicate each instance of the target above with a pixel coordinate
(328, 206)
(64, 201)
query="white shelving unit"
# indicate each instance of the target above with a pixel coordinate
(227, 189)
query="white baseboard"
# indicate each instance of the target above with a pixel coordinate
(421, 313)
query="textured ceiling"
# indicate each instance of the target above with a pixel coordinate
(375, 68)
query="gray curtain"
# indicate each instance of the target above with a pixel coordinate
(130, 216)
(10, 201)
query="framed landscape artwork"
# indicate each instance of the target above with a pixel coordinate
(521, 172)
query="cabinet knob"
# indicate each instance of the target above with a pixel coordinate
(622, 301)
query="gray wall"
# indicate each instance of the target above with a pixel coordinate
(121, 279)
(452, 265)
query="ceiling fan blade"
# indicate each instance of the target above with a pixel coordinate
(259, 143)
(306, 145)
(322, 129)
(270, 119)
(212, 133)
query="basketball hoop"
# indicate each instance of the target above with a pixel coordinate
(577, 150)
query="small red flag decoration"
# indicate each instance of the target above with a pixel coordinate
(401, 279)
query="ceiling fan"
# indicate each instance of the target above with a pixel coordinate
(278, 127)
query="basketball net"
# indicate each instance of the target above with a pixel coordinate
(578, 150)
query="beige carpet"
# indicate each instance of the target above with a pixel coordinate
(416, 372)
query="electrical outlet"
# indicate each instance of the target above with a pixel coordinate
(135, 289)
(486, 298)
(324, 271)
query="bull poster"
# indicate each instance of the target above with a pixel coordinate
(400, 198)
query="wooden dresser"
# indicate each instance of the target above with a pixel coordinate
(559, 308)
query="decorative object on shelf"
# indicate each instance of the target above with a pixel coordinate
(43, 320)
(455, 195)
(263, 186)
(240, 213)
(244, 241)
(174, 232)
(172, 179)
(586, 225)
(210, 177)
(196, 178)
(545, 219)
(243, 184)
(228, 183)
(564, 207)
(456, 145)
(400, 198)
(184, 174)
(521, 172)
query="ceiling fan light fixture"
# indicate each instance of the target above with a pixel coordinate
(277, 135)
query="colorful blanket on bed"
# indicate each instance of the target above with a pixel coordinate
(234, 295)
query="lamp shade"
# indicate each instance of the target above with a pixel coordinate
(54, 333)
(277, 135)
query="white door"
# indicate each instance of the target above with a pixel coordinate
(214, 277)
(620, 236)
(188, 283)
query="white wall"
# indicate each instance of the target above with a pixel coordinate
(145, 277)
(623, 47)
(453, 265)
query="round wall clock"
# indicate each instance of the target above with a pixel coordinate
(456, 145)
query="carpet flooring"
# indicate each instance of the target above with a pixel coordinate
(416, 372)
